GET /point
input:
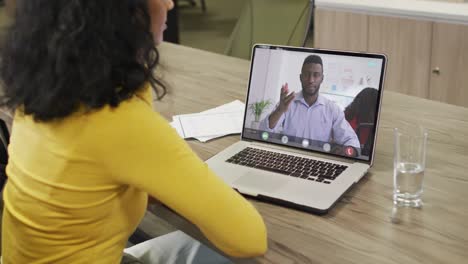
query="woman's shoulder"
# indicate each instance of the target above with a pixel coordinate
(136, 108)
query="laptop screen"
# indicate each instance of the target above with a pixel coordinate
(317, 100)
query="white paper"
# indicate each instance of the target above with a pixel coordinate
(176, 125)
(216, 122)
(211, 124)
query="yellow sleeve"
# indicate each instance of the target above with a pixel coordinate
(140, 149)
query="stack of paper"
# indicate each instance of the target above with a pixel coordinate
(216, 122)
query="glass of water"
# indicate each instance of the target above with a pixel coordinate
(409, 165)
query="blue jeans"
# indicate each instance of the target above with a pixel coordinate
(175, 247)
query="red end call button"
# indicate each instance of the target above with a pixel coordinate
(349, 151)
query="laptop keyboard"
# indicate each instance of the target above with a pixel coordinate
(310, 169)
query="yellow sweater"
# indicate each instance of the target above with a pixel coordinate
(78, 188)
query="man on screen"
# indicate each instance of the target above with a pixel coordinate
(308, 114)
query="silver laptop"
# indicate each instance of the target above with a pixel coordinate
(310, 126)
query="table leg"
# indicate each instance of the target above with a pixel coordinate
(172, 32)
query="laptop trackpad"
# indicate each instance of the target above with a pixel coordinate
(258, 183)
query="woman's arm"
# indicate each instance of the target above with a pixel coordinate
(140, 149)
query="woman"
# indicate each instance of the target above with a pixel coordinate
(360, 114)
(87, 148)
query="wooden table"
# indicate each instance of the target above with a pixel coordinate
(360, 228)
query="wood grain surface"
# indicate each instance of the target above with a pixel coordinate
(449, 64)
(407, 43)
(340, 30)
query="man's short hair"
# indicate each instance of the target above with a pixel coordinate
(313, 59)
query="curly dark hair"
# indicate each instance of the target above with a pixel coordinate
(63, 54)
(363, 106)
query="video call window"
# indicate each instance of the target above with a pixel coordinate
(317, 101)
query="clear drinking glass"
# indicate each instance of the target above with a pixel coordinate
(409, 165)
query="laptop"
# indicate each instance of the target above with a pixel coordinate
(310, 126)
